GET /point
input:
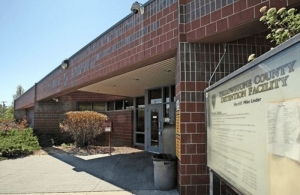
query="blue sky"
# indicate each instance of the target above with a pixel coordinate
(36, 36)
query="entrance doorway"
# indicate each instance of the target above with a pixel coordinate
(160, 120)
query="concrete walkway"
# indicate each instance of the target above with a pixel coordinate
(89, 175)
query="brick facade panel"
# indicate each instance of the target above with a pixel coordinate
(26, 100)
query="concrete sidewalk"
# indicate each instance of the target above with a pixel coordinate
(90, 175)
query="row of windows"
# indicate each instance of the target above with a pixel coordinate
(126, 104)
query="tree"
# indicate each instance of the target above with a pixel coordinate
(19, 92)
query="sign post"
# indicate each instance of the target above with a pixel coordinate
(108, 128)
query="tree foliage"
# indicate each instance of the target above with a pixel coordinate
(83, 126)
(283, 24)
(8, 124)
(7, 113)
(19, 92)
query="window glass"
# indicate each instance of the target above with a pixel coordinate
(119, 105)
(85, 106)
(140, 138)
(166, 95)
(167, 110)
(155, 96)
(140, 119)
(140, 102)
(154, 121)
(173, 95)
(128, 103)
(99, 106)
(110, 106)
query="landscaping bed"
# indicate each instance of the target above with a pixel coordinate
(90, 150)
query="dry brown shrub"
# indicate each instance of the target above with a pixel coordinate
(13, 124)
(82, 125)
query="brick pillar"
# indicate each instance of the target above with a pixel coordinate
(193, 177)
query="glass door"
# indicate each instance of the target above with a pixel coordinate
(154, 128)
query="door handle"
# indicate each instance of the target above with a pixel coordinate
(160, 133)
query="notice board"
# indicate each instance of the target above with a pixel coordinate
(253, 124)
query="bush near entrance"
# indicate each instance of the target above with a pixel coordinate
(83, 126)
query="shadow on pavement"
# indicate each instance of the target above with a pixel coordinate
(130, 172)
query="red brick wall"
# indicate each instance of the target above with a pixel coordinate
(26, 100)
(19, 114)
(205, 18)
(135, 39)
(195, 65)
(122, 134)
(47, 113)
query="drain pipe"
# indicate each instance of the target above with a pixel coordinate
(225, 49)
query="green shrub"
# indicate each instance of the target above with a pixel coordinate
(64, 145)
(82, 126)
(14, 142)
(283, 23)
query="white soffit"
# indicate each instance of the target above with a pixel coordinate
(134, 83)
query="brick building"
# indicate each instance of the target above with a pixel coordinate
(139, 69)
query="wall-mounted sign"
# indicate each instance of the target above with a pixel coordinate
(253, 125)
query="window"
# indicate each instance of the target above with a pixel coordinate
(166, 94)
(140, 119)
(128, 103)
(140, 138)
(98, 107)
(85, 106)
(140, 102)
(119, 105)
(91, 106)
(155, 96)
(110, 106)
(173, 95)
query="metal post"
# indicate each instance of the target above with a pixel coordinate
(211, 182)
(109, 145)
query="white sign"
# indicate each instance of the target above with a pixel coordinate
(254, 118)
(107, 129)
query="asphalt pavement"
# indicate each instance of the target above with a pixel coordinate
(120, 174)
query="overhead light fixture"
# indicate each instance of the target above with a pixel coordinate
(65, 64)
(136, 8)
